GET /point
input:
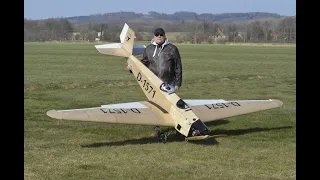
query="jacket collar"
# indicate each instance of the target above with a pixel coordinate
(166, 41)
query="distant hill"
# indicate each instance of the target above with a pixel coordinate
(187, 27)
(177, 16)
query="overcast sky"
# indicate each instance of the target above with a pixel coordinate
(42, 9)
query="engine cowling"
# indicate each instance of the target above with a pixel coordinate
(198, 128)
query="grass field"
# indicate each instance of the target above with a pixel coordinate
(67, 76)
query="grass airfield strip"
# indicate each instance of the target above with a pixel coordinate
(63, 76)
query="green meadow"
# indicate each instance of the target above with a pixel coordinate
(260, 145)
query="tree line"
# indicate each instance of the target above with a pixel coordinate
(191, 31)
(124, 16)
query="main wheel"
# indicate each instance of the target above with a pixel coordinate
(163, 137)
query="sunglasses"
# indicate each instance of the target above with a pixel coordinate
(157, 34)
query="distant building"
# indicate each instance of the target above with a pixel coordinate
(73, 36)
(275, 35)
(99, 36)
(219, 35)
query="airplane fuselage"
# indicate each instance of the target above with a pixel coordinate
(183, 116)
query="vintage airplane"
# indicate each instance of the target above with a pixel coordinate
(187, 116)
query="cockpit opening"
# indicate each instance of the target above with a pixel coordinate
(182, 105)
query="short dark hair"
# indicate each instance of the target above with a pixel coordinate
(159, 31)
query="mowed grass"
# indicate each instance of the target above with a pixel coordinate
(66, 76)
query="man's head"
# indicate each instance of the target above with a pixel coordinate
(159, 35)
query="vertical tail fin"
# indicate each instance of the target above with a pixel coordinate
(127, 37)
(124, 49)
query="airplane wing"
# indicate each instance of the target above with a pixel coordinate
(215, 109)
(144, 113)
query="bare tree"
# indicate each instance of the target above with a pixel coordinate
(266, 29)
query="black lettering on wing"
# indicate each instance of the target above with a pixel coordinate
(117, 111)
(235, 103)
(103, 111)
(135, 110)
(111, 111)
(124, 111)
(220, 105)
(225, 105)
(215, 107)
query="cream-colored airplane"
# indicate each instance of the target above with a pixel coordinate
(187, 116)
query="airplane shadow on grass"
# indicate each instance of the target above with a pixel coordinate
(176, 137)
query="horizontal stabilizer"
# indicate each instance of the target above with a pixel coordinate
(116, 49)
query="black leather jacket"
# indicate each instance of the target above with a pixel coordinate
(164, 61)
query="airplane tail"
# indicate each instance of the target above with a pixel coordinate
(124, 49)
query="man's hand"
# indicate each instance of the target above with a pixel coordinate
(176, 88)
(129, 67)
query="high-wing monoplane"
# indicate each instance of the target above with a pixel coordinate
(187, 116)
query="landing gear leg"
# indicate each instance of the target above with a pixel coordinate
(164, 135)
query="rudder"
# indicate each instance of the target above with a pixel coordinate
(127, 37)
